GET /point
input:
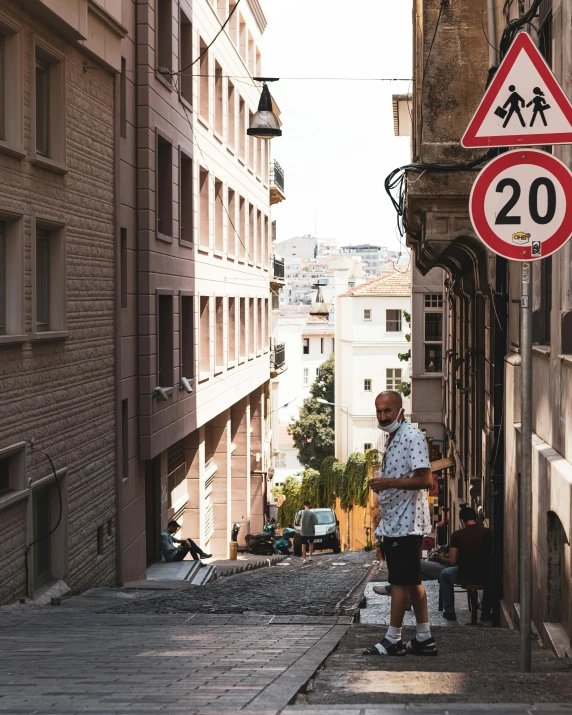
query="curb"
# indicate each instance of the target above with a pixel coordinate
(253, 566)
(349, 605)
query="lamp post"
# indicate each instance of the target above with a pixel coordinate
(343, 407)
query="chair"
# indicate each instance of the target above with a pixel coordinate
(473, 598)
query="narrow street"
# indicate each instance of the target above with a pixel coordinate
(267, 641)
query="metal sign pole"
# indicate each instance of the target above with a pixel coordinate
(525, 496)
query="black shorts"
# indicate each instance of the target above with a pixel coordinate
(403, 557)
(307, 540)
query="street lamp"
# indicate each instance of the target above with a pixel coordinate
(343, 407)
(264, 123)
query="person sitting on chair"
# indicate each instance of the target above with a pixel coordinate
(470, 559)
(177, 553)
(431, 568)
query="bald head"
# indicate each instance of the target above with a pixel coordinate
(387, 406)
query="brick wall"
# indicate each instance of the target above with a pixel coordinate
(61, 392)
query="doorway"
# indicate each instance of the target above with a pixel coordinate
(555, 540)
(42, 527)
(153, 509)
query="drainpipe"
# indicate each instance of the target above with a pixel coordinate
(492, 33)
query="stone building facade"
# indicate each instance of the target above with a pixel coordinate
(481, 371)
(195, 234)
(57, 294)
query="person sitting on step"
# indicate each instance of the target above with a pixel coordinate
(177, 553)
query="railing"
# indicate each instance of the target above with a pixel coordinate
(278, 356)
(276, 175)
(278, 267)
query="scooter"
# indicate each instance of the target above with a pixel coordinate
(261, 544)
(283, 543)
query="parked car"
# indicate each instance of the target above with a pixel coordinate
(327, 532)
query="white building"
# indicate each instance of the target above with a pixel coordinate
(370, 332)
(309, 341)
(372, 256)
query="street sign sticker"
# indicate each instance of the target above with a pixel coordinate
(523, 105)
(521, 204)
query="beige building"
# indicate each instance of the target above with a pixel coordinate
(195, 247)
(58, 365)
(481, 364)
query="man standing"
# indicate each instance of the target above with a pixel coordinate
(177, 553)
(470, 559)
(308, 521)
(405, 519)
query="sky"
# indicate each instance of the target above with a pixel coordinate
(338, 143)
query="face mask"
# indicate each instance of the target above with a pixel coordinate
(393, 426)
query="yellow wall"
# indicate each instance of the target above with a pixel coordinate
(360, 518)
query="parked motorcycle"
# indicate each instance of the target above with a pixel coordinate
(261, 544)
(283, 543)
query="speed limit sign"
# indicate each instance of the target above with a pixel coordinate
(521, 204)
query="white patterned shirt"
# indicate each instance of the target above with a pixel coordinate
(404, 512)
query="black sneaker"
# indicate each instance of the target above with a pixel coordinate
(386, 647)
(426, 647)
(206, 556)
(450, 616)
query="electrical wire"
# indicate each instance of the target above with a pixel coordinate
(207, 48)
(514, 26)
(483, 26)
(196, 143)
(45, 536)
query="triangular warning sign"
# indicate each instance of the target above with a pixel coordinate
(523, 105)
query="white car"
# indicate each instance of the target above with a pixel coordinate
(327, 531)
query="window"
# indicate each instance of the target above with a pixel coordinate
(2, 278)
(265, 243)
(186, 329)
(233, 25)
(393, 378)
(433, 300)
(2, 86)
(209, 444)
(251, 329)
(186, 58)
(204, 81)
(367, 384)
(204, 205)
(165, 365)
(306, 378)
(123, 98)
(4, 476)
(218, 217)
(251, 144)
(242, 39)
(219, 334)
(259, 240)
(205, 338)
(186, 199)
(280, 461)
(12, 469)
(231, 116)
(164, 34)
(123, 267)
(232, 329)
(322, 345)
(366, 447)
(164, 187)
(393, 321)
(242, 332)
(242, 227)
(218, 100)
(305, 346)
(232, 224)
(242, 129)
(43, 280)
(366, 313)
(259, 338)
(42, 108)
(222, 10)
(433, 334)
(125, 438)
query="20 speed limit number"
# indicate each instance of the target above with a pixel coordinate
(521, 204)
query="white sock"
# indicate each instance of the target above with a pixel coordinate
(423, 632)
(393, 634)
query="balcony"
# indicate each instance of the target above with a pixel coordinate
(276, 183)
(277, 359)
(277, 273)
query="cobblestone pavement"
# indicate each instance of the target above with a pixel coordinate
(378, 608)
(289, 588)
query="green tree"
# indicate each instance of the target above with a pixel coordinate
(313, 431)
(291, 490)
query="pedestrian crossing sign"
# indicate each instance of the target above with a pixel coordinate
(523, 106)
